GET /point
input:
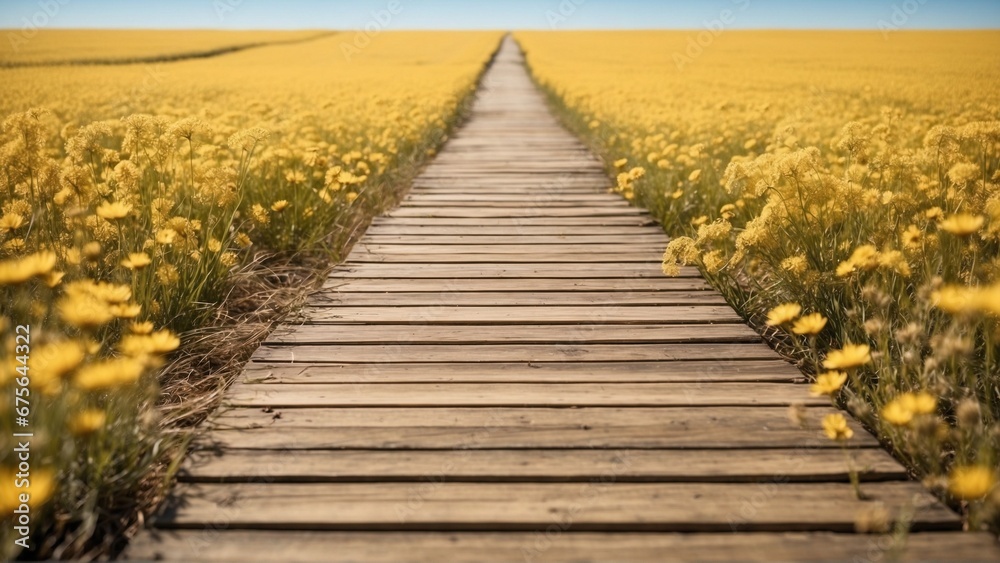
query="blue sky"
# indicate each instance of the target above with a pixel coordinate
(500, 14)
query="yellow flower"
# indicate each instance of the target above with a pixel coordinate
(18, 271)
(125, 310)
(971, 482)
(784, 313)
(864, 257)
(136, 261)
(113, 210)
(108, 374)
(965, 300)
(894, 260)
(961, 224)
(295, 177)
(166, 236)
(159, 342)
(10, 222)
(920, 403)
(810, 324)
(214, 245)
(835, 427)
(828, 383)
(107, 292)
(851, 356)
(41, 485)
(896, 413)
(49, 363)
(87, 422)
(934, 213)
(242, 240)
(279, 205)
(912, 237)
(621, 162)
(677, 194)
(145, 327)
(84, 311)
(693, 177)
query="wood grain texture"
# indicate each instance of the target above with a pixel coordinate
(612, 506)
(677, 371)
(518, 395)
(534, 466)
(559, 546)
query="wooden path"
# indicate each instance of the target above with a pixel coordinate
(500, 372)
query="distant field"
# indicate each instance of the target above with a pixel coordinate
(119, 45)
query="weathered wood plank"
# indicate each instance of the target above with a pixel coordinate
(392, 353)
(515, 212)
(520, 428)
(343, 284)
(330, 297)
(519, 395)
(513, 314)
(700, 466)
(362, 256)
(215, 545)
(503, 334)
(678, 371)
(516, 222)
(676, 507)
(622, 270)
(522, 230)
(471, 238)
(606, 250)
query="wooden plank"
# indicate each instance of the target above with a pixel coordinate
(537, 201)
(473, 231)
(505, 334)
(646, 251)
(679, 371)
(343, 284)
(675, 466)
(515, 212)
(392, 353)
(513, 314)
(416, 239)
(217, 545)
(522, 428)
(623, 270)
(678, 507)
(515, 223)
(361, 255)
(331, 297)
(278, 395)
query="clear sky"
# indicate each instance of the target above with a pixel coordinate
(501, 14)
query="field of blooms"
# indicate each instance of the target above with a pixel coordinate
(842, 189)
(131, 193)
(49, 46)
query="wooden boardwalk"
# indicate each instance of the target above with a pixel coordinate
(500, 372)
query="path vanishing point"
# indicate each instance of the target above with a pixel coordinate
(500, 371)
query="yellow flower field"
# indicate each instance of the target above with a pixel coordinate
(49, 45)
(131, 192)
(843, 183)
